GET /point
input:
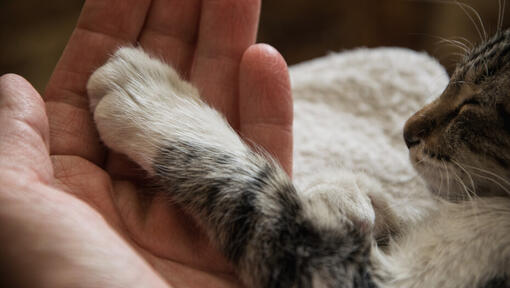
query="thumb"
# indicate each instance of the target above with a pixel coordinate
(24, 132)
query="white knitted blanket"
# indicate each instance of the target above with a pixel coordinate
(350, 109)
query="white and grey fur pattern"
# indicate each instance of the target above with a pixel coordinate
(245, 201)
(275, 235)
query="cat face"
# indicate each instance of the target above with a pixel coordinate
(460, 143)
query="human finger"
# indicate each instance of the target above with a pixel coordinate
(265, 102)
(227, 29)
(170, 32)
(103, 26)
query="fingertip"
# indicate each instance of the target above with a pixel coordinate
(264, 72)
(263, 50)
(9, 80)
(16, 85)
(264, 58)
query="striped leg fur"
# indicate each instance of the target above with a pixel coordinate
(250, 209)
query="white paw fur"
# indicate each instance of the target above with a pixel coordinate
(140, 103)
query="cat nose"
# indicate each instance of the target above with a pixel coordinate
(415, 129)
(410, 141)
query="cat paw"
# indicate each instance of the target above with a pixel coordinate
(132, 73)
(141, 106)
(135, 100)
(342, 195)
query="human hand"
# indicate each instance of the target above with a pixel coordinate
(49, 238)
(211, 43)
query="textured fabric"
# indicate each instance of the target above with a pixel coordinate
(350, 109)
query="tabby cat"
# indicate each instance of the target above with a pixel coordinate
(277, 236)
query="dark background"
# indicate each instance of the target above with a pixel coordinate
(34, 32)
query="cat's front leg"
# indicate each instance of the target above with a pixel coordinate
(251, 211)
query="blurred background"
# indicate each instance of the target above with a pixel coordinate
(34, 32)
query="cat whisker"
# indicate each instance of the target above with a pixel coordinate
(460, 55)
(450, 42)
(456, 44)
(482, 33)
(501, 14)
(459, 180)
(464, 41)
(447, 179)
(471, 195)
(489, 173)
(467, 173)
(440, 181)
(479, 26)
(493, 181)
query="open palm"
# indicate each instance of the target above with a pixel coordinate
(210, 42)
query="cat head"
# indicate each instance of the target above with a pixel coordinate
(460, 143)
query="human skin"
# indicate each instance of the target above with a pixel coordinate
(70, 210)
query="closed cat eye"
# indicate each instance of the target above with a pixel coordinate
(471, 101)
